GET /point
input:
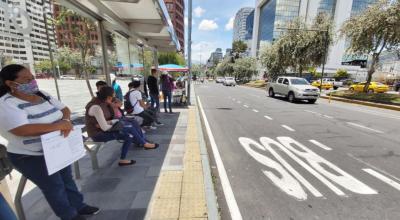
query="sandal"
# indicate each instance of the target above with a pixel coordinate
(126, 164)
(152, 148)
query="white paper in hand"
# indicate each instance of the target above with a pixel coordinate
(60, 152)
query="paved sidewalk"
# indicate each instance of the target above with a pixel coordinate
(180, 191)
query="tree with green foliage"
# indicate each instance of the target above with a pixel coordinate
(43, 66)
(171, 58)
(245, 68)
(272, 60)
(374, 30)
(238, 47)
(80, 31)
(341, 74)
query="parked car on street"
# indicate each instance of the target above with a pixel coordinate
(219, 80)
(67, 77)
(325, 85)
(293, 88)
(374, 87)
(229, 81)
(335, 84)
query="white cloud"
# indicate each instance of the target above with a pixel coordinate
(198, 11)
(229, 25)
(208, 25)
(201, 51)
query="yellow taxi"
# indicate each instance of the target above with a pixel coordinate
(325, 85)
(374, 87)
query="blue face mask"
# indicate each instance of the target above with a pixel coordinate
(28, 88)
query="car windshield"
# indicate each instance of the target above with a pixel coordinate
(299, 82)
(229, 78)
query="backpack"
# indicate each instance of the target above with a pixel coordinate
(5, 163)
(128, 107)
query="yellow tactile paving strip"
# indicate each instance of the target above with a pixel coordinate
(181, 194)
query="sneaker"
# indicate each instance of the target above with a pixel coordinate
(159, 123)
(89, 210)
(152, 128)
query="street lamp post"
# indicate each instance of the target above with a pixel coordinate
(189, 50)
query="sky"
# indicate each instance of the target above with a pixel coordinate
(212, 25)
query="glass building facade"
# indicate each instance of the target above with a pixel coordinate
(249, 26)
(273, 14)
(360, 5)
(327, 6)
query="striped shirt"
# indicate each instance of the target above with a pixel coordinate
(15, 112)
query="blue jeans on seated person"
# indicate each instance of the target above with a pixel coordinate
(6, 212)
(128, 135)
(59, 189)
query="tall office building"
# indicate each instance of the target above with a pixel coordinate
(176, 9)
(270, 14)
(23, 37)
(240, 28)
(215, 57)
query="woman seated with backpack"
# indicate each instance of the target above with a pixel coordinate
(134, 104)
(102, 127)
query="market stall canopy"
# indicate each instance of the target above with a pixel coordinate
(147, 21)
(173, 68)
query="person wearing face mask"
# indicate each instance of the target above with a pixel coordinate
(99, 120)
(25, 114)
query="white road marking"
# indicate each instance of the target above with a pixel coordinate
(320, 145)
(239, 102)
(267, 142)
(312, 112)
(254, 110)
(326, 168)
(327, 116)
(288, 128)
(226, 186)
(372, 166)
(284, 181)
(267, 117)
(234, 99)
(319, 114)
(246, 106)
(364, 127)
(383, 178)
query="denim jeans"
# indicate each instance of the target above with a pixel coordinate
(59, 189)
(6, 212)
(155, 101)
(128, 135)
(148, 117)
(167, 97)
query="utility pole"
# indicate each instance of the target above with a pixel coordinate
(189, 50)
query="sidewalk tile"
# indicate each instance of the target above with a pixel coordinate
(171, 176)
(169, 190)
(142, 200)
(165, 209)
(193, 208)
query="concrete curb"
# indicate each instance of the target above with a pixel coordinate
(372, 104)
(212, 204)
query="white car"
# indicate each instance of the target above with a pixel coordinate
(67, 77)
(229, 81)
(293, 88)
(219, 80)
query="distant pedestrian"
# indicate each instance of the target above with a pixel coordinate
(167, 86)
(117, 88)
(152, 82)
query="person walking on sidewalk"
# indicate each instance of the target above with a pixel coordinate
(25, 114)
(152, 82)
(167, 86)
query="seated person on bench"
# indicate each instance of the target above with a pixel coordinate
(99, 123)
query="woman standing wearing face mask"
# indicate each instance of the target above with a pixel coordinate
(25, 114)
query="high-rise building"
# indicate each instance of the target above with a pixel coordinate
(240, 27)
(64, 33)
(23, 37)
(176, 9)
(272, 14)
(215, 57)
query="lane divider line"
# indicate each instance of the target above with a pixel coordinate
(364, 127)
(320, 145)
(254, 110)
(327, 116)
(288, 128)
(383, 178)
(226, 186)
(267, 117)
(246, 106)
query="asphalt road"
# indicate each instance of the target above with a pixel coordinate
(302, 161)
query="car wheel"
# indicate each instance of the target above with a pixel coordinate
(335, 88)
(291, 97)
(312, 101)
(351, 89)
(271, 93)
(370, 91)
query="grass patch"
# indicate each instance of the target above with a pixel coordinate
(257, 84)
(383, 98)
